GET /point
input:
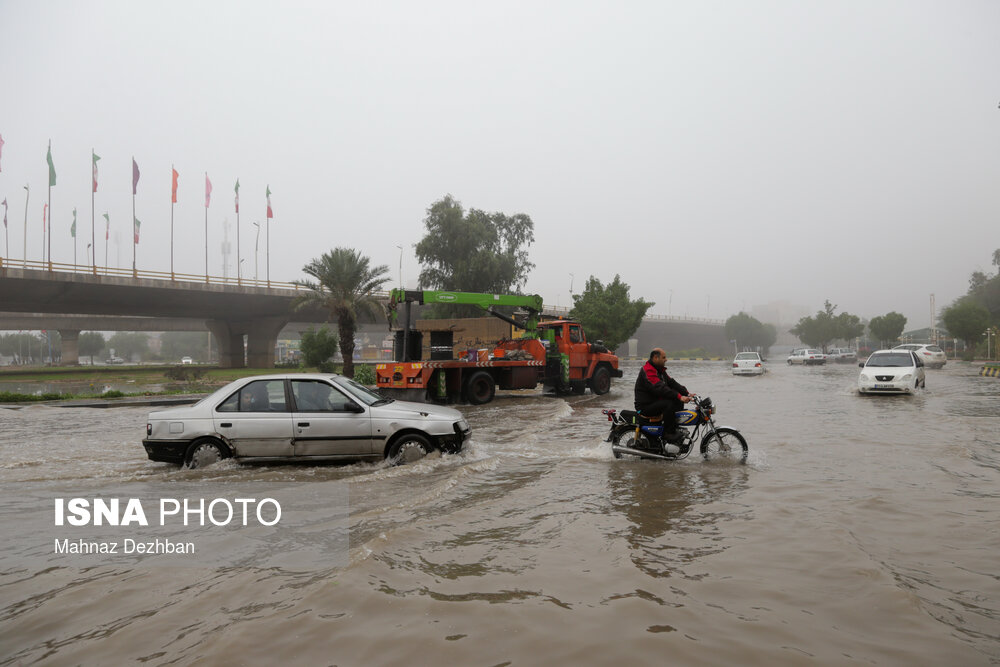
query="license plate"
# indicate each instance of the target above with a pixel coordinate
(884, 386)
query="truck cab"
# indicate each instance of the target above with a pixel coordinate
(573, 363)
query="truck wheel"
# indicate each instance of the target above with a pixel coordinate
(480, 388)
(578, 386)
(600, 382)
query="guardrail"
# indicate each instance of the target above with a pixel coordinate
(60, 267)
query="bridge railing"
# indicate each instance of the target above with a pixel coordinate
(59, 267)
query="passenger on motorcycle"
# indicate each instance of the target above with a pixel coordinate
(657, 395)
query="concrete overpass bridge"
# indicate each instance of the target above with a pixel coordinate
(35, 296)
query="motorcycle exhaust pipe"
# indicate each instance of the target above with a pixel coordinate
(618, 449)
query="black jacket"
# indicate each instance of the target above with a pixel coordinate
(653, 384)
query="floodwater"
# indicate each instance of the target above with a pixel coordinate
(862, 530)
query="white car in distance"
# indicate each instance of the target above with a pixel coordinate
(748, 363)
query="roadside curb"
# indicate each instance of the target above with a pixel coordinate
(129, 402)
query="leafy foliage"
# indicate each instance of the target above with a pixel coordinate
(128, 344)
(177, 344)
(967, 320)
(89, 344)
(317, 346)
(365, 374)
(473, 251)
(607, 313)
(345, 285)
(887, 328)
(826, 327)
(750, 332)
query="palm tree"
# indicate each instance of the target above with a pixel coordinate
(345, 285)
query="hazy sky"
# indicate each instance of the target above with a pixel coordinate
(716, 155)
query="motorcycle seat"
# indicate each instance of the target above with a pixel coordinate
(633, 417)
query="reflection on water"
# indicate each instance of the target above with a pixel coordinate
(859, 531)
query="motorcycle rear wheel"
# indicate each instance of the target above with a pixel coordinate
(724, 444)
(624, 438)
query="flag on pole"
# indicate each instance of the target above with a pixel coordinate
(52, 167)
(208, 191)
(72, 229)
(96, 158)
(107, 226)
(135, 176)
(237, 195)
(5, 212)
(270, 213)
(1, 151)
(174, 190)
(135, 228)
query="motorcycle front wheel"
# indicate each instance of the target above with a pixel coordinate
(724, 444)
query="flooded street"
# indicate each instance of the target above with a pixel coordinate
(862, 530)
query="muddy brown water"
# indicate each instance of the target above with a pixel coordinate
(863, 530)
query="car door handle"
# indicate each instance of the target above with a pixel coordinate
(303, 423)
(226, 424)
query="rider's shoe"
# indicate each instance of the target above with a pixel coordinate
(674, 438)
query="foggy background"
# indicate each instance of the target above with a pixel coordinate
(717, 155)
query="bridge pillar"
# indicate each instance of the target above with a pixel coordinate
(230, 341)
(262, 336)
(70, 347)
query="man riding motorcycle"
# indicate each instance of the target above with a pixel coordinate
(658, 396)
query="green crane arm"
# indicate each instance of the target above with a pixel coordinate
(530, 302)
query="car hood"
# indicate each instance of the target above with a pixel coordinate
(410, 410)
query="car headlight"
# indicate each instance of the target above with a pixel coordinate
(462, 425)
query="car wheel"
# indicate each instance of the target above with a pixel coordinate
(204, 453)
(408, 448)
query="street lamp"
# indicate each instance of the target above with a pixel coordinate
(400, 266)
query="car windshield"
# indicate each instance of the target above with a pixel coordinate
(361, 392)
(898, 360)
(747, 355)
(933, 348)
(813, 352)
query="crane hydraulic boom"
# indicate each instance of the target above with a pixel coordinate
(532, 303)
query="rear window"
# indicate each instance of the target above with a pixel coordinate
(747, 355)
(934, 348)
(898, 360)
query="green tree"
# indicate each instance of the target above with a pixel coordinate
(819, 330)
(90, 343)
(129, 344)
(345, 285)
(607, 313)
(849, 327)
(473, 251)
(318, 347)
(750, 332)
(887, 328)
(966, 320)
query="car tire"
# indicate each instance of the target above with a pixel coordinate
(204, 453)
(408, 448)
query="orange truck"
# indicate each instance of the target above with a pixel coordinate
(554, 354)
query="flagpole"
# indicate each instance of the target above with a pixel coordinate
(27, 195)
(134, 274)
(93, 233)
(74, 240)
(49, 230)
(171, 222)
(239, 275)
(206, 226)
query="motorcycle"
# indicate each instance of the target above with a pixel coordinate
(633, 435)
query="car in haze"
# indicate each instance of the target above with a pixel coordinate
(841, 355)
(891, 372)
(748, 363)
(806, 356)
(114, 361)
(187, 360)
(932, 355)
(301, 417)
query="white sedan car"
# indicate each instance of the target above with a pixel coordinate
(932, 355)
(891, 372)
(748, 363)
(807, 356)
(301, 417)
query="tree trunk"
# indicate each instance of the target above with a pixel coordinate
(345, 329)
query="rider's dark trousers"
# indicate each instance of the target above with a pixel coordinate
(666, 407)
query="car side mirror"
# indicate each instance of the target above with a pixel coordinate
(351, 406)
(861, 364)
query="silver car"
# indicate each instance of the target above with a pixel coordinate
(301, 417)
